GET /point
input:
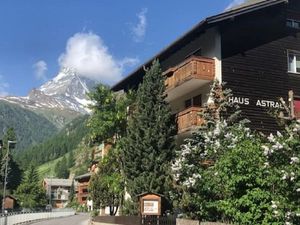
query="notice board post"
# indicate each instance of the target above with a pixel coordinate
(151, 207)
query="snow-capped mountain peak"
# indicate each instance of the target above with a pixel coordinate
(65, 91)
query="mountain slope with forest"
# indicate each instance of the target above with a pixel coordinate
(30, 128)
(58, 145)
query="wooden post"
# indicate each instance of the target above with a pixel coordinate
(291, 103)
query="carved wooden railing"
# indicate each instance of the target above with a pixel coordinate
(189, 119)
(195, 67)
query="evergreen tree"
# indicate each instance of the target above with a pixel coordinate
(14, 173)
(30, 192)
(62, 169)
(72, 195)
(149, 147)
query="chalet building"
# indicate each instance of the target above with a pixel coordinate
(254, 48)
(58, 191)
(10, 202)
(82, 190)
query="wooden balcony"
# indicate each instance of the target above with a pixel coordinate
(195, 67)
(189, 119)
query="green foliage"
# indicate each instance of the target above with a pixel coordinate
(30, 193)
(30, 128)
(72, 195)
(149, 148)
(82, 158)
(109, 113)
(130, 207)
(107, 185)
(58, 145)
(61, 168)
(14, 172)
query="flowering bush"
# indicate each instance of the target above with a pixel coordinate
(225, 172)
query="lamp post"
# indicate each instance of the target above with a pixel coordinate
(5, 174)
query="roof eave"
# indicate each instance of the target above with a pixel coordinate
(239, 11)
(158, 55)
(208, 21)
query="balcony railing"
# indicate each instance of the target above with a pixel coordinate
(195, 67)
(189, 119)
(85, 194)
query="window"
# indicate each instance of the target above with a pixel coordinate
(293, 23)
(195, 101)
(293, 62)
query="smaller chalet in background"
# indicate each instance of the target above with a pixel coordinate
(82, 190)
(58, 191)
(10, 202)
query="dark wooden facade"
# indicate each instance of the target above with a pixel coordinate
(254, 44)
(254, 59)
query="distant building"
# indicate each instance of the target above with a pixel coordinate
(58, 191)
(10, 202)
(82, 188)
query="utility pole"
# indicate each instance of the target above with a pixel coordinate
(5, 175)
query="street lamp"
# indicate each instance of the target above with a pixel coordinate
(5, 174)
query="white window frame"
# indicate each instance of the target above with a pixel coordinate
(293, 23)
(292, 67)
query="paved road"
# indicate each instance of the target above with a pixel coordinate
(81, 219)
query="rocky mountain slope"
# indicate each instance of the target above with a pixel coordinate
(47, 109)
(59, 100)
(66, 91)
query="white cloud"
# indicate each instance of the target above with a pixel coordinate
(128, 62)
(40, 69)
(3, 87)
(139, 30)
(87, 54)
(234, 3)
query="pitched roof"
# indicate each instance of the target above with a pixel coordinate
(246, 7)
(246, 3)
(58, 182)
(83, 176)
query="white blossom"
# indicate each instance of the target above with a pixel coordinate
(266, 149)
(292, 176)
(271, 138)
(279, 134)
(294, 160)
(277, 146)
(284, 177)
(274, 206)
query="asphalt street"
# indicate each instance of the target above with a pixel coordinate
(81, 219)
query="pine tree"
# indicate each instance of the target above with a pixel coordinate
(61, 168)
(14, 173)
(149, 147)
(30, 193)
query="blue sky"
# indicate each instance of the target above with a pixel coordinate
(100, 39)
